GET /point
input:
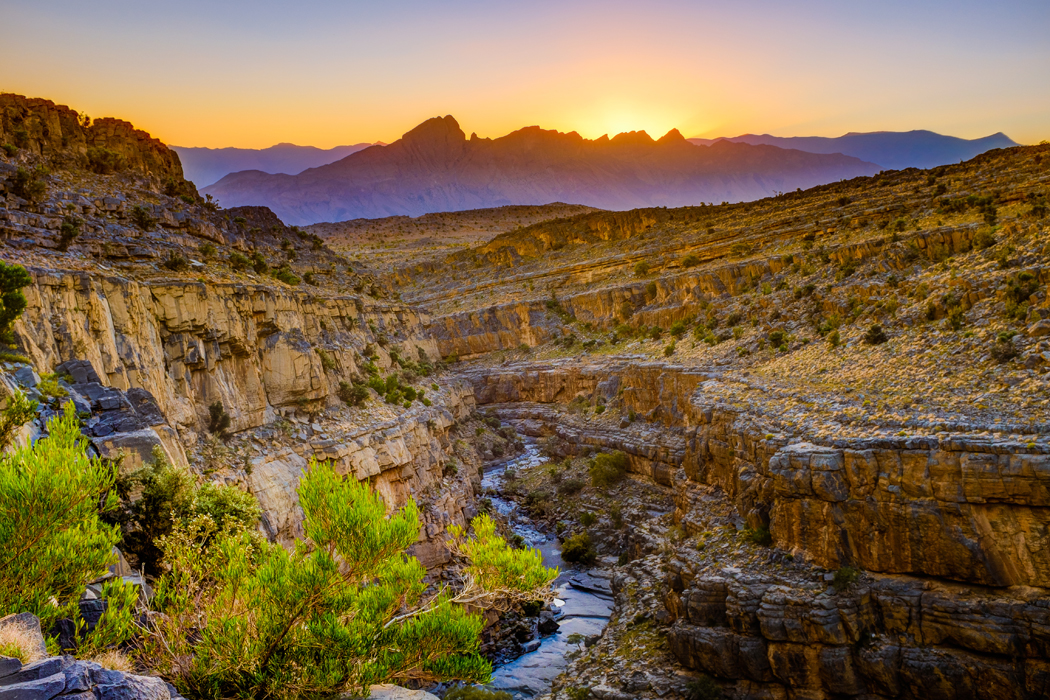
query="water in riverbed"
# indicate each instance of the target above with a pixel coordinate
(584, 598)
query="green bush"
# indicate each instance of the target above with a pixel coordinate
(844, 577)
(339, 612)
(208, 251)
(571, 487)
(579, 549)
(352, 394)
(327, 361)
(286, 275)
(10, 149)
(651, 290)
(104, 161)
(690, 261)
(875, 335)
(142, 217)
(703, 688)
(588, 518)
(239, 261)
(259, 263)
(68, 232)
(175, 262)
(641, 269)
(30, 185)
(1003, 350)
(669, 350)
(19, 411)
(677, 329)
(13, 278)
(218, 419)
(608, 468)
(52, 538)
(759, 536)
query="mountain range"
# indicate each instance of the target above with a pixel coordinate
(435, 167)
(205, 166)
(893, 150)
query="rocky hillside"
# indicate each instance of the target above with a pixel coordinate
(435, 167)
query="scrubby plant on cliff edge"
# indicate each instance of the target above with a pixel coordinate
(12, 300)
(344, 609)
(52, 540)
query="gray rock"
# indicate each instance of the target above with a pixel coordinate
(36, 671)
(9, 665)
(134, 688)
(80, 675)
(81, 370)
(26, 376)
(37, 689)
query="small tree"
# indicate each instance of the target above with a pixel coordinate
(346, 608)
(12, 301)
(52, 541)
(218, 419)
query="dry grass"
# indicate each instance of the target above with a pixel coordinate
(114, 660)
(18, 642)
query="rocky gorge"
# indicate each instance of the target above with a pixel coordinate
(810, 509)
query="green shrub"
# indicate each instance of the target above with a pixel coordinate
(327, 361)
(651, 290)
(588, 518)
(259, 263)
(30, 185)
(208, 251)
(759, 536)
(669, 350)
(677, 329)
(875, 335)
(142, 217)
(104, 161)
(352, 394)
(1003, 350)
(13, 278)
(218, 419)
(285, 274)
(10, 149)
(641, 269)
(339, 612)
(690, 261)
(579, 549)
(309, 278)
(984, 239)
(570, 487)
(19, 411)
(703, 688)
(239, 261)
(844, 577)
(608, 468)
(68, 232)
(54, 541)
(175, 262)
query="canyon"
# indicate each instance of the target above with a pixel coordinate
(811, 509)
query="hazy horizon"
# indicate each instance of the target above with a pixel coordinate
(326, 73)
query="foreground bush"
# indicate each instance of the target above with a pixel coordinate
(345, 609)
(52, 540)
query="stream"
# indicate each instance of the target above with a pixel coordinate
(584, 599)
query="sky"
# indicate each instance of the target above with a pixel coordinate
(328, 72)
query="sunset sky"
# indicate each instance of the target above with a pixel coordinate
(324, 73)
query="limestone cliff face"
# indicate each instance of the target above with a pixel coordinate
(955, 528)
(402, 458)
(961, 508)
(252, 347)
(666, 298)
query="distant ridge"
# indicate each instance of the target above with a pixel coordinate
(205, 166)
(435, 167)
(893, 150)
